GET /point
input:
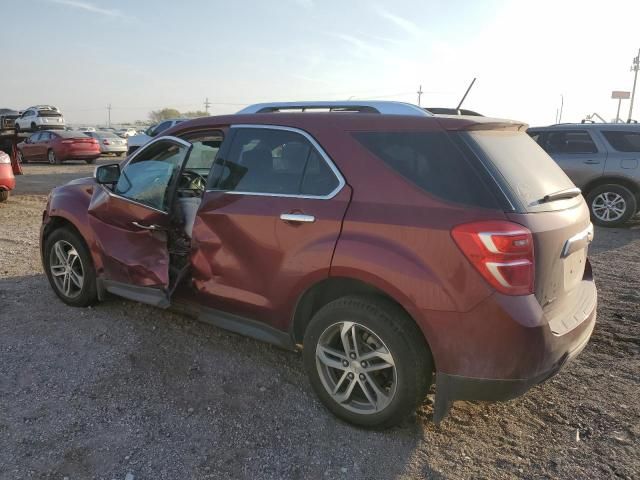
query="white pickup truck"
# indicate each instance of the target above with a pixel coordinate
(136, 141)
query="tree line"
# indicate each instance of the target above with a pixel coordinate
(166, 113)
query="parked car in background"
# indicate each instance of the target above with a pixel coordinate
(140, 139)
(603, 159)
(58, 146)
(7, 119)
(109, 142)
(388, 242)
(127, 132)
(7, 180)
(85, 129)
(40, 117)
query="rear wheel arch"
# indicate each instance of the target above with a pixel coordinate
(333, 288)
(633, 187)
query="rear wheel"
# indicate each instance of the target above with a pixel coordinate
(34, 127)
(611, 205)
(367, 361)
(69, 268)
(17, 127)
(20, 157)
(52, 157)
(4, 195)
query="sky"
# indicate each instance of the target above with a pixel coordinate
(141, 55)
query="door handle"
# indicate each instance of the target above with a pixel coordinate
(147, 227)
(297, 217)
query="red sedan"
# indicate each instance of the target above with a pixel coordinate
(56, 147)
(7, 180)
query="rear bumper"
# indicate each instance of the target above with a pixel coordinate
(7, 180)
(505, 346)
(456, 387)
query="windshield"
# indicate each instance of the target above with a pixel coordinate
(525, 167)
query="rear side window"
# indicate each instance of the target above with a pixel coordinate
(527, 170)
(570, 141)
(431, 161)
(274, 161)
(623, 141)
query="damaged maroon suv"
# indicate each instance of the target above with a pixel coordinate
(390, 244)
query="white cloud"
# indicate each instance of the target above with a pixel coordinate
(407, 25)
(89, 7)
(305, 3)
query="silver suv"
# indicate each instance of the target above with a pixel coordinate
(603, 159)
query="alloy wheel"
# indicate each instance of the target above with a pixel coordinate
(356, 368)
(609, 206)
(51, 156)
(66, 268)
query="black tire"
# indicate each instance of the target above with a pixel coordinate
(90, 160)
(598, 195)
(34, 127)
(20, 157)
(52, 158)
(17, 128)
(4, 195)
(399, 334)
(88, 293)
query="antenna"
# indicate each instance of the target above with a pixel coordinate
(465, 94)
(419, 92)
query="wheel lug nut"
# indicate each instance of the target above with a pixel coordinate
(364, 364)
(350, 376)
(345, 363)
(361, 376)
(352, 356)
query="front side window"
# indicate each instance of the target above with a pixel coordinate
(274, 161)
(147, 178)
(571, 142)
(34, 138)
(623, 141)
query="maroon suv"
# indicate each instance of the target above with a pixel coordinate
(390, 243)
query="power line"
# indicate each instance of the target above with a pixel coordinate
(207, 103)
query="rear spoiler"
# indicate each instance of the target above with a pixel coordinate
(458, 122)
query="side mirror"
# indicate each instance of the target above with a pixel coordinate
(107, 174)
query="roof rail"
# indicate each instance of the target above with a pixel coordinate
(368, 106)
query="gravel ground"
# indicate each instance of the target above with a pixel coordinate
(121, 387)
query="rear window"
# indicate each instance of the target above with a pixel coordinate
(623, 141)
(431, 161)
(526, 168)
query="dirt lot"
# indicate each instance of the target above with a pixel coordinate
(121, 387)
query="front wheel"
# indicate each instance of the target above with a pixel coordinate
(611, 205)
(367, 361)
(69, 268)
(4, 195)
(34, 127)
(20, 157)
(90, 160)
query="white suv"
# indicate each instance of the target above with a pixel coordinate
(40, 117)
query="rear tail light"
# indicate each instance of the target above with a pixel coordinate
(502, 252)
(68, 141)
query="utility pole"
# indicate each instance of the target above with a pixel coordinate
(109, 115)
(635, 66)
(207, 104)
(419, 92)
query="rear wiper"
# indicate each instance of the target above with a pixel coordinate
(568, 193)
